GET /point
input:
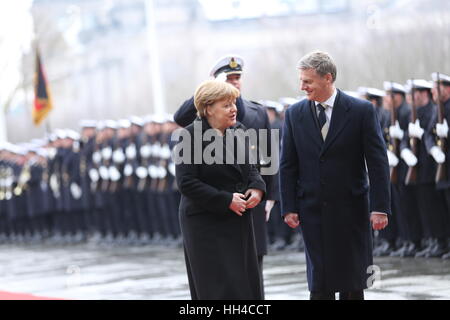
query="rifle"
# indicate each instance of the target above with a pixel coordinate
(411, 176)
(393, 142)
(441, 171)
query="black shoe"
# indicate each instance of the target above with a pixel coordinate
(400, 252)
(446, 256)
(384, 250)
(278, 245)
(425, 252)
(439, 249)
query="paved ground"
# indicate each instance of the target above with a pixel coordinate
(90, 272)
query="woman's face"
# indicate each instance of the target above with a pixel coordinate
(222, 113)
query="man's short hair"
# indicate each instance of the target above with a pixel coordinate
(320, 61)
(210, 91)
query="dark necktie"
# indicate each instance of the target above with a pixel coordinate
(322, 116)
(323, 126)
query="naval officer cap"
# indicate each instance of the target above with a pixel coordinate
(371, 92)
(287, 101)
(137, 121)
(110, 124)
(419, 84)
(124, 123)
(230, 64)
(72, 135)
(441, 78)
(86, 123)
(394, 87)
(274, 105)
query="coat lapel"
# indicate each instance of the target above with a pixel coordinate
(311, 125)
(338, 120)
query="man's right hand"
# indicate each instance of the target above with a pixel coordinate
(291, 219)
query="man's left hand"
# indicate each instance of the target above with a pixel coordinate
(379, 220)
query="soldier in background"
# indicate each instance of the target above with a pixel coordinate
(431, 202)
(167, 185)
(443, 96)
(279, 234)
(406, 210)
(87, 147)
(387, 238)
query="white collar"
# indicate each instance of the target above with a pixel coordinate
(330, 101)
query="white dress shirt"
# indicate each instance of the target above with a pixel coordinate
(329, 105)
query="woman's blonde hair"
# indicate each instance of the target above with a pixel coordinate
(211, 91)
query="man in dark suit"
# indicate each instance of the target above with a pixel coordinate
(328, 140)
(253, 116)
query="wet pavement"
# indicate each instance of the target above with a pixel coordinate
(93, 272)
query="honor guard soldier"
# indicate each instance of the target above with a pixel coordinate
(279, 234)
(5, 226)
(431, 202)
(168, 187)
(87, 146)
(158, 176)
(34, 194)
(253, 116)
(137, 183)
(388, 236)
(127, 167)
(144, 205)
(441, 95)
(111, 175)
(72, 187)
(405, 208)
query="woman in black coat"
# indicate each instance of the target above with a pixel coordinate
(217, 198)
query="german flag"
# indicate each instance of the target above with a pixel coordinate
(42, 99)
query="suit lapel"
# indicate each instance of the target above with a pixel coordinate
(338, 120)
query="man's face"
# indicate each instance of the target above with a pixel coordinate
(445, 93)
(316, 87)
(234, 80)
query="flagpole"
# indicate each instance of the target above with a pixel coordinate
(152, 43)
(3, 133)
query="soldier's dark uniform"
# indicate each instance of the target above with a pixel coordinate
(405, 208)
(87, 147)
(444, 185)
(388, 235)
(431, 202)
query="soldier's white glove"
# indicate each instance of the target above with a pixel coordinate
(395, 131)
(131, 151)
(93, 175)
(392, 159)
(437, 154)
(76, 191)
(114, 174)
(415, 130)
(141, 172)
(118, 156)
(409, 157)
(128, 170)
(442, 129)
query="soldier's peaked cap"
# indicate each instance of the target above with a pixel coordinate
(442, 78)
(229, 64)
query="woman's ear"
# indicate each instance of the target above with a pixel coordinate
(207, 110)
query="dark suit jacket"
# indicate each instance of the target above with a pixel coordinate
(220, 247)
(326, 183)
